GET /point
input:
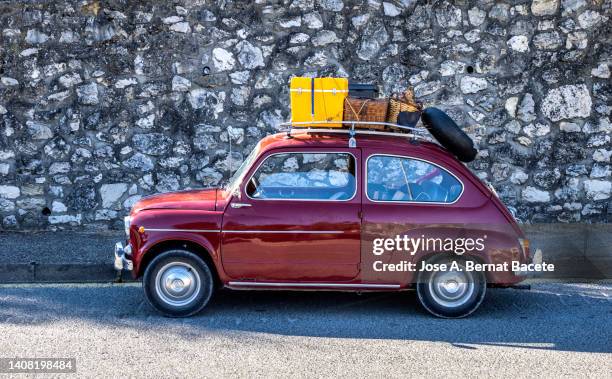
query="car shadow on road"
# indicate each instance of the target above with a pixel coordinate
(555, 317)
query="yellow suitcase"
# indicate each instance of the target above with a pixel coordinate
(318, 99)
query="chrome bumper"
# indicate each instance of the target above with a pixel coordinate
(123, 257)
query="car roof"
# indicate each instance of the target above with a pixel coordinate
(393, 144)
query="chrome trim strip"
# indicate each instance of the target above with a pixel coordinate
(183, 230)
(306, 150)
(287, 231)
(247, 231)
(365, 182)
(314, 285)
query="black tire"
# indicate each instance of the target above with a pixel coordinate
(178, 283)
(438, 300)
(449, 134)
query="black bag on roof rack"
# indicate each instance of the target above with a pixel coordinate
(446, 131)
(362, 90)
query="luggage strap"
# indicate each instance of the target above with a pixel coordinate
(312, 98)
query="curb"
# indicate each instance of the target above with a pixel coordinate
(60, 273)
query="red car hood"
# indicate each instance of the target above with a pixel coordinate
(204, 199)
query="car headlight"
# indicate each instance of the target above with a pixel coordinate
(126, 224)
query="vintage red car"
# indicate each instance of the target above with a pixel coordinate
(314, 210)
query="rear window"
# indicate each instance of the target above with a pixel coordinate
(391, 178)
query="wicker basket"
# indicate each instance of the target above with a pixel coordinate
(370, 110)
(402, 103)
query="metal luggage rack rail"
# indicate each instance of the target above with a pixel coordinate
(407, 131)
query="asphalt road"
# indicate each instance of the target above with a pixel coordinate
(553, 330)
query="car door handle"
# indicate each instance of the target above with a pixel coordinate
(240, 205)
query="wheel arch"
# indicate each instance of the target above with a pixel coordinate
(195, 248)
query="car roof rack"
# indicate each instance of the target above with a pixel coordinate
(315, 127)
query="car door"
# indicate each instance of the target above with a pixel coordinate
(296, 218)
(406, 196)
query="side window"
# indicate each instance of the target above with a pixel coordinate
(405, 179)
(304, 176)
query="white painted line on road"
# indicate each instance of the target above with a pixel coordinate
(70, 285)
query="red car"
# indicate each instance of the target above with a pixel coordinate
(314, 211)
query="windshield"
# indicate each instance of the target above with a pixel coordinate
(237, 177)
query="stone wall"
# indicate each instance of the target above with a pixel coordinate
(104, 102)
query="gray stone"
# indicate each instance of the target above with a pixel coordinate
(476, 16)
(544, 7)
(213, 101)
(69, 80)
(449, 68)
(111, 193)
(4, 169)
(140, 162)
(471, 84)
(88, 94)
(601, 71)
(589, 19)
(598, 189)
(526, 110)
(500, 12)
(600, 171)
(209, 177)
(58, 207)
(293, 22)
(130, 201)
(6, 205)
(519, 177)
(9, 222)
(570, 6)
(325, 37)
(240, 95)
(373, 39)
(569, 101)
(167, 182)
(181, 27)
(448, 16)
(391, 10)
(65, 219)
(39, 130)
(34, 36)
(519, 43)
(224, 60)
(180, 84)
(9, 82)
(9, 192)
(313, 20)
(82, 197)
(152, 143)
(105, 214)
(547, 41)
(122, 83)
(569, 127)
(249, 56)
(534, 195)
(331, 5)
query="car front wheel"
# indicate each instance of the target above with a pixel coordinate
(451, 293)
(178, 283)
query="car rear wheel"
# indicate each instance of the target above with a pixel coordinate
(452, 293)
(178, 283)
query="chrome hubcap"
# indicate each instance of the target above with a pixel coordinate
(451, 288)
(177, 284)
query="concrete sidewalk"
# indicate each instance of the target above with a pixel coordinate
(579, 251)
(58, 256)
